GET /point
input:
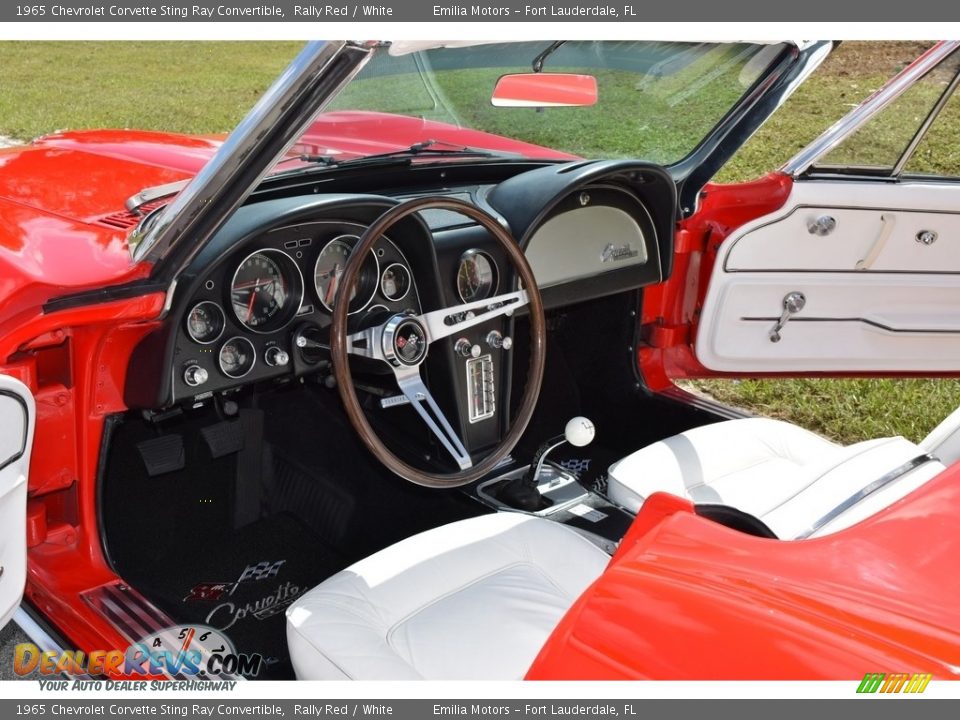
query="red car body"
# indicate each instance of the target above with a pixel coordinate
(891, 604)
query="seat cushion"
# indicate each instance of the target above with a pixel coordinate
(475, 599)
(786, 476)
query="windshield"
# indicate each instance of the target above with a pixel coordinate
(656, 101)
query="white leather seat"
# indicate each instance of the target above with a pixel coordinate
(786, 476)
(475, 599)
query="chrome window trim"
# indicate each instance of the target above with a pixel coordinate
(285, 110)
(850, 123)
(926, 125)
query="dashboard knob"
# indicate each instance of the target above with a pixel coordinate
(497, 341)
(195, 376)
(464, 348)
(276, 356)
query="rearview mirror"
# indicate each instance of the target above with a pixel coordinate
(540, 90)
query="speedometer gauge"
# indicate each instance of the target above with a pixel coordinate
(266, 291)
(329, 269)
(476, 276)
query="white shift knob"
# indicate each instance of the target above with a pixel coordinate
(579, 431)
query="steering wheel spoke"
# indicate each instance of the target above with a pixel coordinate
(366, 343)
(412, 386)
(456, 319)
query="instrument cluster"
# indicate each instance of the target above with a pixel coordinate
(270, 306)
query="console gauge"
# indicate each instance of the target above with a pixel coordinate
(329, 269)
(266, 291)
(476, 276)
(205, 322)
(237, 357)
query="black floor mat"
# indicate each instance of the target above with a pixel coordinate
(322, 499)
(243, 582)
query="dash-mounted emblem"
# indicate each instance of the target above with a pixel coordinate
(613, 253)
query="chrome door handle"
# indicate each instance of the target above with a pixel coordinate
(793, 302)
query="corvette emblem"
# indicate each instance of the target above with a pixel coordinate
(409, 343)
(613, 253)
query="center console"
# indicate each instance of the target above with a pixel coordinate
(548, 490)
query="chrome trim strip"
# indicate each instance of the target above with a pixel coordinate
(850, 123)
(865, 492)
(40, 637)
(865, 321)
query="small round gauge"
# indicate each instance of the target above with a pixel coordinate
(237, 357)
(395, 282)
(205, 322)
(329, 269)
(476, 276)
(266, 291)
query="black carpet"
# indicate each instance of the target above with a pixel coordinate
(283, 495)
(243, 582)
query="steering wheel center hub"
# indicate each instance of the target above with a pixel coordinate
(404, 341)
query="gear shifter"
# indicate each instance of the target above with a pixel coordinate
(523, 493)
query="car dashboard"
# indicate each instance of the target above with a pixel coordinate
(256, 305)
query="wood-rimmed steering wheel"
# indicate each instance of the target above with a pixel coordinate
(403, 342)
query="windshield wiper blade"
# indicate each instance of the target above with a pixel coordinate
(426, 148)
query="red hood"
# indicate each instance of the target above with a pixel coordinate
(88, 174)
(56, 192)
(364, 133)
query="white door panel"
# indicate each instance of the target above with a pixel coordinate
(788, 243)
(17, 414)
(901, 312)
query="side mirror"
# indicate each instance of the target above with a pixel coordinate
(541, 90)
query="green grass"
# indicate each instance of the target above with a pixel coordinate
(196, 87)
(846, 410)
(207, 87)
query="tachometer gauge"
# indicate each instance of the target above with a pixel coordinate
(395, 282)
(205, 322)
(329, 269)
(237, 357)
(476, 276)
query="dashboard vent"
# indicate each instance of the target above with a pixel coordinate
(124, 220)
